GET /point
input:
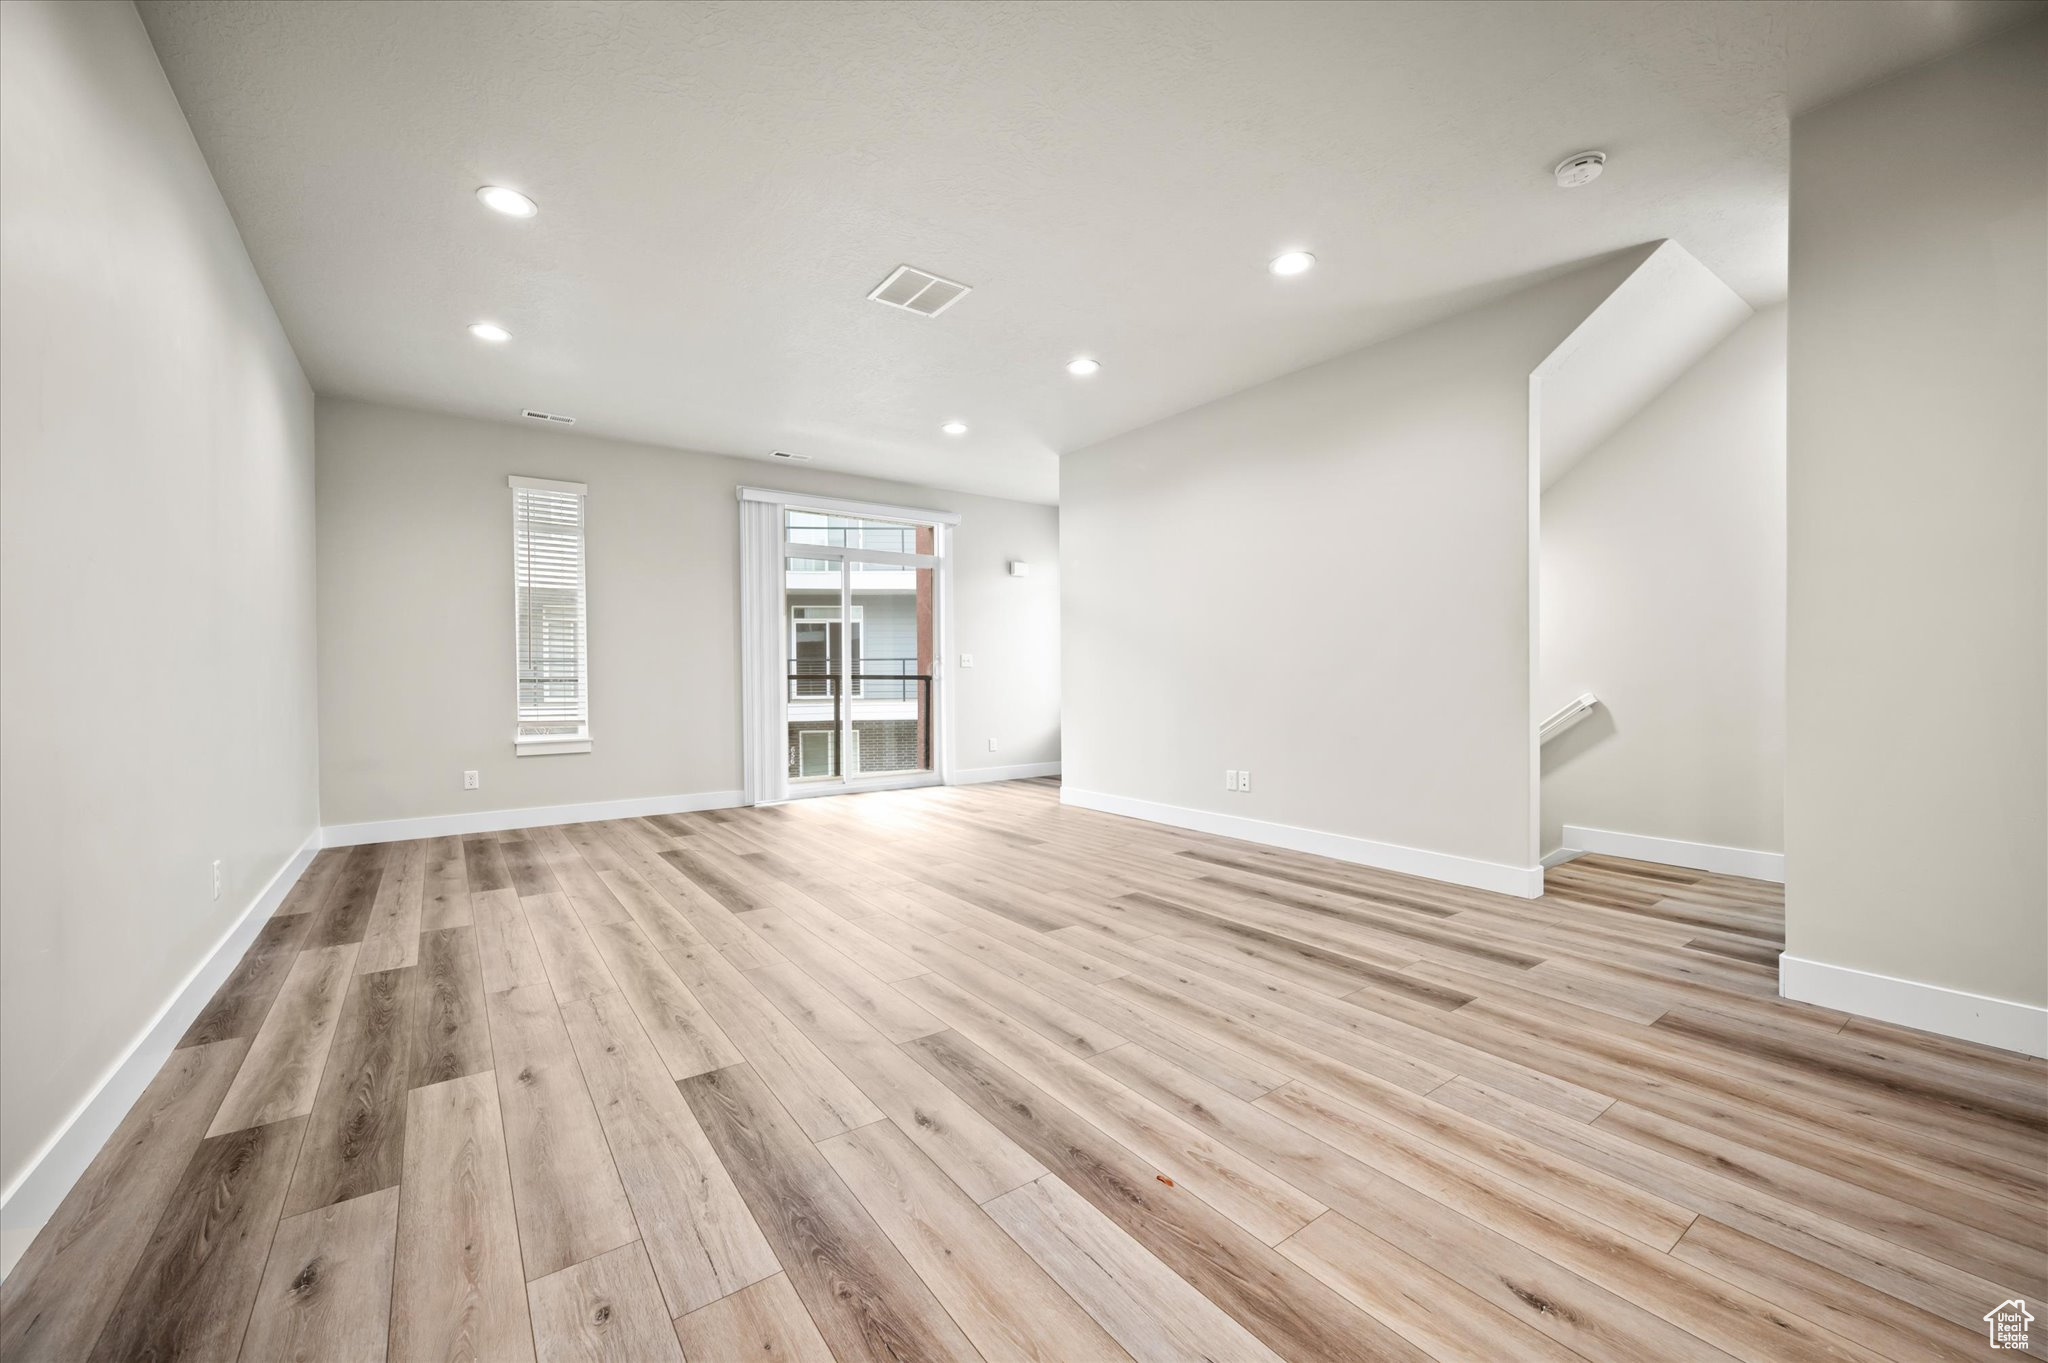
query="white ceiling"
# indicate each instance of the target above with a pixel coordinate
(1657, 324)
(721, 185)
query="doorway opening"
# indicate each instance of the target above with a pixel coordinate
(860, 625)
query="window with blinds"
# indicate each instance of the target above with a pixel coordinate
(551, 651)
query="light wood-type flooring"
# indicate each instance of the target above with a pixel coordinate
(966, 1074)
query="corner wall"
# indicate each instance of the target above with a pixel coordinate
(156, 593)
(416, 617)
(1325, 579)
(1917, 787)
(1663, 593)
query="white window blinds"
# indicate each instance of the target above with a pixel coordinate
(551, 629)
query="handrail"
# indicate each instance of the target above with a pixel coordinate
(1574, 711)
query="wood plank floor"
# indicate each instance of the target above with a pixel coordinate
(966, 1074)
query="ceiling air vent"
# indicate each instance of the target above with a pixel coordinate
(552, 418)
(785, 454)
(916, 291)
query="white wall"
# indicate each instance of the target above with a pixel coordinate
(1659, 323)
(1325, 579)
(416, 615)
(1663, 593)
(1917, 787)
(156, 564)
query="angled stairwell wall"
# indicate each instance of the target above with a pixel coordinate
(1326, 580)
(1663, 593)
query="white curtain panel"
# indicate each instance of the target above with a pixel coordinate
(763, 744)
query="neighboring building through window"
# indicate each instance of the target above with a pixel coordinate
(860, 636)
(814, 645)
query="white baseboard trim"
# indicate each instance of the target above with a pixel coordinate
(1561, 856)
(1525, 882)
(540, 816)
(1694, 856)
(2010, 1026)
(866, 785)
(1024, 771)
(31, 1199)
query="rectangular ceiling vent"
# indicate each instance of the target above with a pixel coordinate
(554, 418)
(920, 292)
(785, 454)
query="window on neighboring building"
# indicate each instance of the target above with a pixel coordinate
(814, 645)
(551, 650)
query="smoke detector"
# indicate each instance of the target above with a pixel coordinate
(551, 418)
(1580, 168)
(919, 291)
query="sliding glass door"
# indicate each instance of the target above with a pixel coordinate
(860, 625)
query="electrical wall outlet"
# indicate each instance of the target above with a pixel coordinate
(967, 660)
(991, 745)
(1244, 781)
(216, 878)
(1230, 779)
(471, 781)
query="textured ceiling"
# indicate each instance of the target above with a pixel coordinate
(721, 184)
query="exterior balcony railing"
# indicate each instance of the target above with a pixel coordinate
(889, 713)
(896, 539)
(873, 679)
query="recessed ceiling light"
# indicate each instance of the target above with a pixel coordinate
(1582, 168)
(1083, 366)
(955, 428)
(510, 202)
(489, 331)
(1292, 262)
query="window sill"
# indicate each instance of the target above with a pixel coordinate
(545, 747)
